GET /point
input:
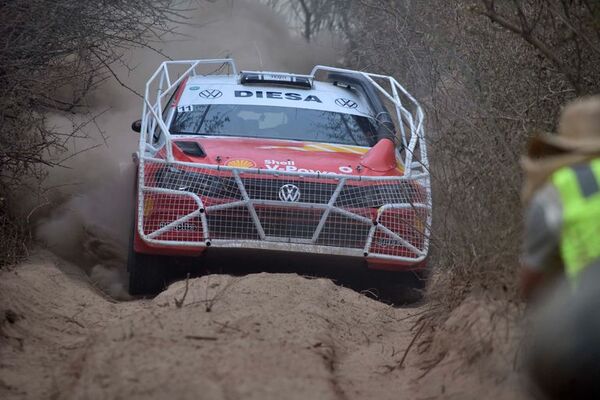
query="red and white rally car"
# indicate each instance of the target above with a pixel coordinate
(333, 164)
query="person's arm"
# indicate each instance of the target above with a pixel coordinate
(543, 221)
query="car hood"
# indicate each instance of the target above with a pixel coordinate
(278, 155)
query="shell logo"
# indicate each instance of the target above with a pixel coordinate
(241, 163)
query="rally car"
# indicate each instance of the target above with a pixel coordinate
(331, 164)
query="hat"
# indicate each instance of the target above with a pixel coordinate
(578, 131)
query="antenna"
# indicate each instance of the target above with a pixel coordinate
(258, 54)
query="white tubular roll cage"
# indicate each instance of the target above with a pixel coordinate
(409, 120)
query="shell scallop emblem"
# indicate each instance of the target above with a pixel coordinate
(241, 163)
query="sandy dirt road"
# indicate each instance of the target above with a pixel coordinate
(261, 336)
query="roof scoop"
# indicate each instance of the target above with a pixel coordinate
(381, 157)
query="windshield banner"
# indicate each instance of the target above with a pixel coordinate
(203, 94)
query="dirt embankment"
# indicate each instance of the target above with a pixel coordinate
(262, 336)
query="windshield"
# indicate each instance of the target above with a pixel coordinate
(273, 123)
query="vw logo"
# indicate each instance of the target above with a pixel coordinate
(346, 103)
(289, 193)
(211, 94)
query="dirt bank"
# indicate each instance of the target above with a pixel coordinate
(261, 336)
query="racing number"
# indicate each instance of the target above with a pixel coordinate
(187, 108)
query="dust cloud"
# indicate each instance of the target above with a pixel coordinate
(88, 205)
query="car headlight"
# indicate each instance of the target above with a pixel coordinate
(375, 196)
(187, 181)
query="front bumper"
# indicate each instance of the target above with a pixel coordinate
(192, 206)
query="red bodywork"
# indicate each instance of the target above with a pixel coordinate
(281, 155)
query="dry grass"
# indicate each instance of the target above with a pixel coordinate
(489, 74)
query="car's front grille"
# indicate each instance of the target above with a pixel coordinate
(319, 210)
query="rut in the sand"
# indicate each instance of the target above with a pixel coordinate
(260, 336)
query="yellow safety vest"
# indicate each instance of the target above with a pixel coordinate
(578, 187)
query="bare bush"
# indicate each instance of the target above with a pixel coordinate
(489, 73)
(313, 16)
(52, 54)
(564, 33)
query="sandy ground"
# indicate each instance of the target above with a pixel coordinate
(261, 336)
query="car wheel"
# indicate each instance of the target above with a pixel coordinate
(147, 272)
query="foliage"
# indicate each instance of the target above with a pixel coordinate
(313, 16)
(52, 54)
(489, 74)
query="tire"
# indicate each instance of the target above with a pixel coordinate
(147, 272)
